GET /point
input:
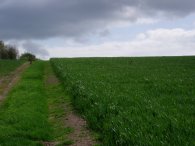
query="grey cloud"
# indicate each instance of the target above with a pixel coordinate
(42, 19)
(104, 33)
(55, 18)
(35, 49)
(176, 7)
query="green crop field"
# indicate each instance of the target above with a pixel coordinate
(134, 101)
(7, 66)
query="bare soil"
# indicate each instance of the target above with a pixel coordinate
(81, 135)
(7, 82)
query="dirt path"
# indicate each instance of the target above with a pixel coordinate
(79, 135)
(7, 82)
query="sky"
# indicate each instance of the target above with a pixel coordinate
(99, 28)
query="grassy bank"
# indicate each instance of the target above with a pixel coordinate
(134, 101)
(24, 113)
(7, 66)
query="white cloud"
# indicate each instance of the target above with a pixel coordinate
(158, 42)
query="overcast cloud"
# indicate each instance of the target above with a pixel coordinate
(36, 20)
(34, 48)
(40, 19)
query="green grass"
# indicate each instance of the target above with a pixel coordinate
(24, 113)
(134, 101)
(7, 66)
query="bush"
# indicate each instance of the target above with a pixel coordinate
(28, 57)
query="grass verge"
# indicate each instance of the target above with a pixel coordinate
(7, 66)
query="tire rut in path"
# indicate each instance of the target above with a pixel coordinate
(7, 82)
(80, 136)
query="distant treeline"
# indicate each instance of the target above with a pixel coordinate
(8, 51)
